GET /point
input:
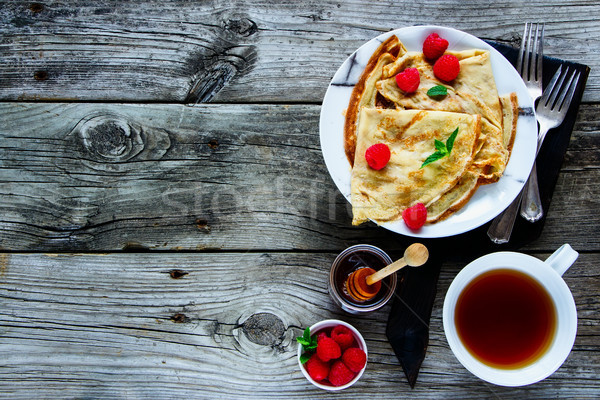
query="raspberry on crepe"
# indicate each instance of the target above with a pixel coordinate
(408, 80)
(446, 68)
(378, 155)
(434, 46)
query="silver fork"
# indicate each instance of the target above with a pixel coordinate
(529, 65)
(551, 111)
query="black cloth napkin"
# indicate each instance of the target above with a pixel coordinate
(408, 322)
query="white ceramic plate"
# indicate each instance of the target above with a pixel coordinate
(489, 200)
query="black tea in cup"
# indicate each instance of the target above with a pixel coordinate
(505, 318)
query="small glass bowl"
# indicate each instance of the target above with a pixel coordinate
(345, 263)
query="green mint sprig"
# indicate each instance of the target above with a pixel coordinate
(439, 90)
(442, 149)
(309, 344)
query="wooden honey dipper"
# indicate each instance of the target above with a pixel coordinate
(364, 283)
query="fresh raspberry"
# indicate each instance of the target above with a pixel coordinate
(317, 369)
(434, 46)
(378, 155)
(339, 374)
(354, 358)
(321, 335)
(415, 216)
(446, 68)
(408, 80)
(328, 349)
(343, 336)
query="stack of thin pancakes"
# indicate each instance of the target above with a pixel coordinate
(379, 112)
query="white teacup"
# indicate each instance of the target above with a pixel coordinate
(548, 274)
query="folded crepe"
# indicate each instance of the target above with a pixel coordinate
(473, 93)
(382, 195)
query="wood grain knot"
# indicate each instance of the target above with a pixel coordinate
(264, 329)
(113, 138)
(40, 75)
(214, 70)
(177, 273)
(243, 26)
(180, 318)
(36, 7)
(202, 225)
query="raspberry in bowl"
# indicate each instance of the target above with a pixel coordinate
(332, 354)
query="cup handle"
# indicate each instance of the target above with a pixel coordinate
(562, 259)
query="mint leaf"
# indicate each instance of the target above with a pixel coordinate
(308, 343)
(450, 141)
(306, 334)
(438, 90)
(304, 340)
(434, 157)
(442, 149)
(304, 358)
(440, 146)
(311, 346)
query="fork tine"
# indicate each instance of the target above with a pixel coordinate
(557, 88)
(525, 70)
(550, 87)
(521, 51)
(540, 54)
(534, 54)
(567, 96)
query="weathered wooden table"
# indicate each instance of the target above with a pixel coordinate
(167, 221)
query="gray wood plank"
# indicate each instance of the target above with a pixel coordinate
(121, 326)
(245, 51)
(104, 177)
